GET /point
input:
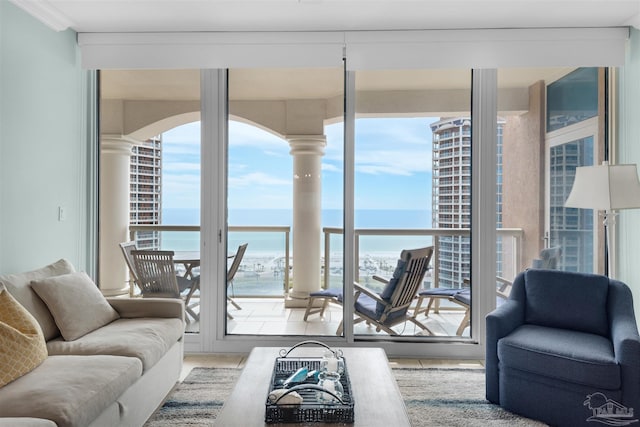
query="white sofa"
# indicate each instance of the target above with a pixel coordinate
(115, 375)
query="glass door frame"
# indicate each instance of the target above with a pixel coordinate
(212, 337)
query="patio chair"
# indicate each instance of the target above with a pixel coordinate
(231, 274)
(157, 278)
(549, 259)
(460, 296)
(126, 248)
(326, 297)
(390, 307)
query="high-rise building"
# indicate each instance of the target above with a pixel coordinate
(146, 190)
(570, 228)
(451, 204)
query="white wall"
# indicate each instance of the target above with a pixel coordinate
(42, 146)
(629, 152)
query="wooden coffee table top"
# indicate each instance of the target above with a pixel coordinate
(376, 395)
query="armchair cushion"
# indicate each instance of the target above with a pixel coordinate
(560, 299)
(561, 354)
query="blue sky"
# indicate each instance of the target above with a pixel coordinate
(393, 166)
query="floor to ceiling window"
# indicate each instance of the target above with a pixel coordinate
(335, 211)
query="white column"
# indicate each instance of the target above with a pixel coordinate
(307, 152)
(115, 154)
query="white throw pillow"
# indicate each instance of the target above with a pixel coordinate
(18, 287)
(76, 303)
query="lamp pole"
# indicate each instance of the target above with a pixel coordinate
(609, 219)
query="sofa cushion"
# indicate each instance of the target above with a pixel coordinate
(574, 295)
(76, 303)
(70, 390)
(22, 345)
(147, 339)
(561, 354)
(19, 287)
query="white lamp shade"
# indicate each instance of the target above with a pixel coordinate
(605, 187)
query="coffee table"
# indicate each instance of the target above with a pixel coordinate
(376, 395)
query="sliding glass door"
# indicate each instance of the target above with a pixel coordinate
(151, 174)
(413, 190)
(284, 198)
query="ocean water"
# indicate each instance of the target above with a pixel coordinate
(366, 218)
(273, 243)
(261, 271)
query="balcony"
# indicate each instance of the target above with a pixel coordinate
(266, 272)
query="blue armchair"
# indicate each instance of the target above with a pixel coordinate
(560, 339)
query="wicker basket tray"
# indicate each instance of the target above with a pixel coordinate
(311, 410)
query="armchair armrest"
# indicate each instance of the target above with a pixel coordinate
(622, 323)
(500, 323)
(625, 339)
(148, 307)
(504, 319)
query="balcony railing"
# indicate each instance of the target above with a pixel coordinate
(509, 256)
(192, 244)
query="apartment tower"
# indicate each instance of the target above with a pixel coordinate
(146, 191)
(451, 197)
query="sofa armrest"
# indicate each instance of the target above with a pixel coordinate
(148, 307)
(500, 323)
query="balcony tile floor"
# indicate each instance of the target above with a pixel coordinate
(269, 316)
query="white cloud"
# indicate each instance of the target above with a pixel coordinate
(406, 162)
(181, 191)
(328, 167)
(237, 167)
(257, 179)
(175, 168)
(272, 153)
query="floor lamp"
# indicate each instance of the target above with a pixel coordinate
(607, 188)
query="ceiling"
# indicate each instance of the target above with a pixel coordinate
(326, 15)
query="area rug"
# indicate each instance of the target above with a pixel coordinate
(434, 397)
